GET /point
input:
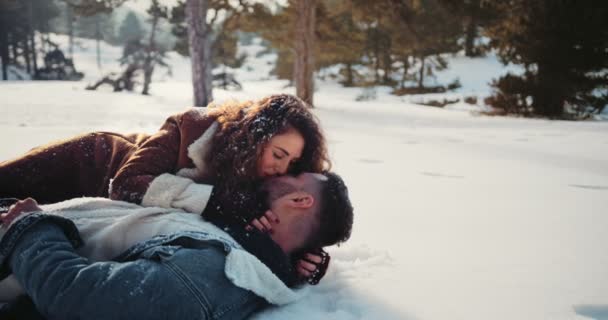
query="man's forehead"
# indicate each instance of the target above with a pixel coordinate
(302, 176)
(318, 176)
(288, 183)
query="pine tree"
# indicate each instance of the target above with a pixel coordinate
(92, 27)
(340, 40)
(474, 15)
(179, 28)
(408, 32)
(94, 17)
(225, 48)
(432, 38)
(276, 28)
(92, 7)
(198, 24)
(43, 11)
(18, 22)
(154, 55)
(130, 29)
(562, 46)
(377, 21)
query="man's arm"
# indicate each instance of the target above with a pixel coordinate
(64, 285)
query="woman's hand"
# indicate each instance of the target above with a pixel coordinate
(19, 209)
(313, 265)
(264, 223)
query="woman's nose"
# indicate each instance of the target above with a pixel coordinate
(281, 167)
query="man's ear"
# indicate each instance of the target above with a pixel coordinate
(302, 200)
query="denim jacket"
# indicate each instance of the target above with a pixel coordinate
(176, 276)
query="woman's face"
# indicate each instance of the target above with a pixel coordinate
(280, 152)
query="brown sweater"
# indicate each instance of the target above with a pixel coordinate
(133, 168)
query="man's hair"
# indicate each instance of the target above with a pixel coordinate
(335, 214)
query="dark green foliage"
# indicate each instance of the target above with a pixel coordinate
(512, 95)
(130, 29)
(225, 35)
(473, 16)
(276, 28)
(43, 11)
(340, 40)
(93, 7)
(153, 54)
(177, 18)
(98, 26)
(18, 22)
(382, 36)
(224, 50)
(562, 45)
(135, 53)
(136, 56)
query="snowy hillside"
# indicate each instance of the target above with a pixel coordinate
(458, 216)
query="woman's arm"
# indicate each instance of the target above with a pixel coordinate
(157, 155)
(148, 178)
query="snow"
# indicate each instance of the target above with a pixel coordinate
(458, 216)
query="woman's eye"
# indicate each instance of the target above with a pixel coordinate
(277, 156)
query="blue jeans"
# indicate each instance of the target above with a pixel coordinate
(164, 281)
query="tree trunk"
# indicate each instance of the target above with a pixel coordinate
(387, 63)
(26, 53)
(43, 43)
(4, 51)
(70, 21)
(304, 64)
(377, 64)
(421, 72)
(547, 96)
(34, 54)
(349, 75)
(406, 67)
(199, 40)
(471, 31)
(98, 39)
(27, 50)
(15, 47)
(149, 63)
(31, 38)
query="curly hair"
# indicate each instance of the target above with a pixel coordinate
(246, 128)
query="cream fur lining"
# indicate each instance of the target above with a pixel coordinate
(171, 191)
(197, 152)
(109, 227)
(248, 272)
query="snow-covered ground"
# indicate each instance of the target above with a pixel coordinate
(458, 216)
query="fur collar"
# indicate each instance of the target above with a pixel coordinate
(197, 152)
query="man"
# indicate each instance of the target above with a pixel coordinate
(188, 270)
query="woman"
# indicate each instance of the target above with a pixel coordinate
(226, 149)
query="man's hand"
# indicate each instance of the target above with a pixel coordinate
(264, 223)
(18, 209)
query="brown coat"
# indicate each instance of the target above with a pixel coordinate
(136, 168)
